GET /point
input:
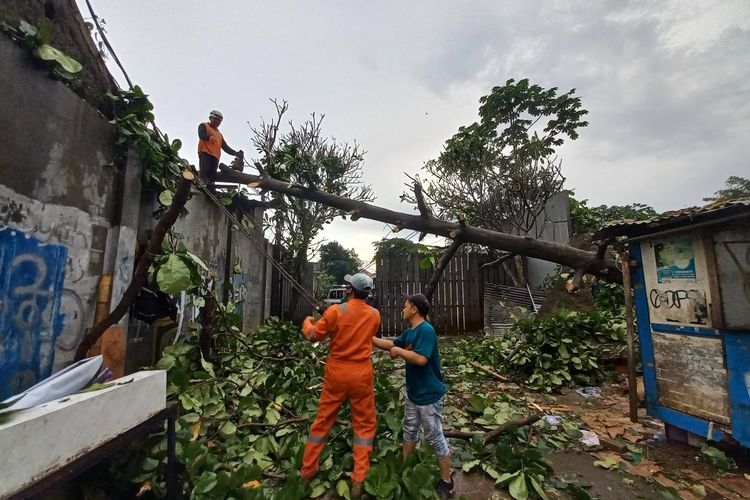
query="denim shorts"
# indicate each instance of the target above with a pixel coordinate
(429, 417)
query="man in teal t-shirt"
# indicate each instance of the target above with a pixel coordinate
(423, 407)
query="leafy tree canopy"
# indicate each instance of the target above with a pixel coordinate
(588, 220)
(336, 261)
(499, 172)
(735, 188)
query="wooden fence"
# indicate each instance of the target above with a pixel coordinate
(457, 305)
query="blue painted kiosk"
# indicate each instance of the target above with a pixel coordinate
(691, 282)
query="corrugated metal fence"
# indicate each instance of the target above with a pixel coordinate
(457, 305)
(500, 301)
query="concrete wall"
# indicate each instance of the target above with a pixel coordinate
(71, 211)
(251, 285)
(553, 224)
(60, 192)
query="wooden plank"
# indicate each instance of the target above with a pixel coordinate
(690, 375)
(455, 304)
(474, 287)
(632, 385)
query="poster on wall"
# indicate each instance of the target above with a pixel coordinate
(675, 261)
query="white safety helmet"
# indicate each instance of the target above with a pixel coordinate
(216, 114)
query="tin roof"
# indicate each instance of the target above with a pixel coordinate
(674, 219)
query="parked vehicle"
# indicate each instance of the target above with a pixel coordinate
(336, 295)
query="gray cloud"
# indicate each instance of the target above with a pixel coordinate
(667, 83)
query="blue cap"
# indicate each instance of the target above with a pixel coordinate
(360, 281)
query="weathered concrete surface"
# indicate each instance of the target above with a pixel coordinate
(249, 285)
(32, 441)
(206, 232)
(58, 187)
(553, 224)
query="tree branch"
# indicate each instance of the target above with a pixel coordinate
(141, 271)
(540, 249)
(490, 436)
(440, 267)
(424, 209)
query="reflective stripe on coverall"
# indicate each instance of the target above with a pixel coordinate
(348, 376)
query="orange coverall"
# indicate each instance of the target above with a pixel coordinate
(348, 376)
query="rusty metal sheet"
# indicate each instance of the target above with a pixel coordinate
(690, 375)
(732, 249)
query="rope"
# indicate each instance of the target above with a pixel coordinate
(292, 281)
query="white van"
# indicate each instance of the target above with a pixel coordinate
(336, 295)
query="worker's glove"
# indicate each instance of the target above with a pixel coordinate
(240, 154)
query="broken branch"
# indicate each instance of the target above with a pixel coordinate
(424, 209)
(490, 436)
(540, 249)
(440, 267)
(488, 371)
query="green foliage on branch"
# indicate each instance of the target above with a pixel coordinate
(563, 350)
(735, 188)
(499, 172)
(588, 220)
(160, 157)
(245, 415)
(337, 261)
(36, 41)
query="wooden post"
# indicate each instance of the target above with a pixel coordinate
(632, 384)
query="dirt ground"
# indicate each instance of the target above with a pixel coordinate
(662, 469)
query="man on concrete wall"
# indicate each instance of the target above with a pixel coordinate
(210, 144)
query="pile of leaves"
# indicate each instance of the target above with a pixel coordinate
(245, 416)
(548, 353)
(564, 349)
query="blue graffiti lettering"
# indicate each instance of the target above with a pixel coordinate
(31, 285)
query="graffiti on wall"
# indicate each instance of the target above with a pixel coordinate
(84, 238)
(31, 291)
(239, 292)
(679, 303)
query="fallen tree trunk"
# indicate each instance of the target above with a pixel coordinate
(140, 274)
(582, 260)
(490, 436)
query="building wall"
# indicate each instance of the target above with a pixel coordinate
(60, 190)
(71, 211)
(553, 224)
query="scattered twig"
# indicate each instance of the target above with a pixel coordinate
(489, 371)
(490, 436)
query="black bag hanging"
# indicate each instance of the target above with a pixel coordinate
(149, 306)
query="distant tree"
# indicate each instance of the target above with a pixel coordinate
(736, 188)
(323, 284)
(303, 155)
(396, 246)
(498, 173)
(588, 220)
(336, 261)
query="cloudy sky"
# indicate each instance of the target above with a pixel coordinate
(667, 84)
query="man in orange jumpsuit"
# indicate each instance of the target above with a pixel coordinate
(348, 376)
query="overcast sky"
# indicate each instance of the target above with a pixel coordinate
(667, 84)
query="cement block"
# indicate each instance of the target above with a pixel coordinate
(40, 440)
